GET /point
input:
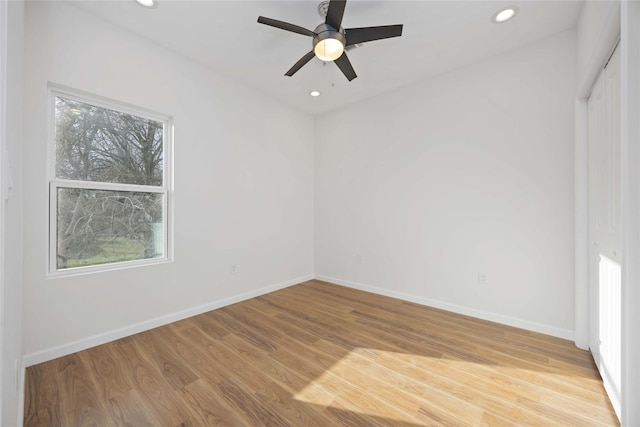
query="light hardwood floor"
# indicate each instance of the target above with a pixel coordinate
(318, 354)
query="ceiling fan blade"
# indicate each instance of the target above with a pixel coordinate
(300, 64)
(334, 13)
(345, 66)
(367, 34)
(286, 26)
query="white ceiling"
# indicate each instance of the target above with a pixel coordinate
(438, 36)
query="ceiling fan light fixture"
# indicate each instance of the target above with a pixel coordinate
(328, 44)
(328, 49)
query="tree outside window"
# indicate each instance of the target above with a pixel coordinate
(110, 186)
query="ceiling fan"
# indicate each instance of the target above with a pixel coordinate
(330, 40)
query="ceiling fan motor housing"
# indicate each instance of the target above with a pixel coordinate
(324, 31)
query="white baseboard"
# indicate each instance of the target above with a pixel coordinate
(103, 338)
(92, 341)
(480, 314)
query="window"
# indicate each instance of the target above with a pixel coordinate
(109, 184)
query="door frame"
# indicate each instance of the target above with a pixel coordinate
(3, 142)
(630, 138)
(623, 24)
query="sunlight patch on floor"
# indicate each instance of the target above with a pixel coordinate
(387, 394)
(402, 386)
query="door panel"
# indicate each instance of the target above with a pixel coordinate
(604, 226)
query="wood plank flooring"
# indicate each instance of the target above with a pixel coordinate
(318, 354)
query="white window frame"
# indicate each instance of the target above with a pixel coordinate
(54, 183)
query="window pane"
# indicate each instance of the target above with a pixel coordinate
(98, 144)
(100, 227)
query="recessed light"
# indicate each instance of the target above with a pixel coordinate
(146, 3)
(505, 14)
(314, 93)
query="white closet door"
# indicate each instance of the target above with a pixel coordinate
(604, 226)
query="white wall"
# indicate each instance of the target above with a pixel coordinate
(11, 227)
(468, 172)
(243, 184)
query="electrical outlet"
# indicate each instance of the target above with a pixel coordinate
(233, 269)
(482, 279)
